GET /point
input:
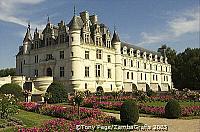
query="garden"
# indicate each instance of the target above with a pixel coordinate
(62, 113)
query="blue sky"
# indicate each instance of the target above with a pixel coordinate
(146, 23)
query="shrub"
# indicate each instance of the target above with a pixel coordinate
(129, 113)
(12, 88)
(172, 109)
(150, 93)
(8, 106)
(58, 93)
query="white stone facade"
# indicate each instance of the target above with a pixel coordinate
(83, 56)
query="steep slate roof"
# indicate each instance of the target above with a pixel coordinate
(27, 37)
(139, 48)
(76, 23)
(115, 38)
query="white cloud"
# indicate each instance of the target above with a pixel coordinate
(183, 23)
(9, 9)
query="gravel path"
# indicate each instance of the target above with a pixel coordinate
(174, 125)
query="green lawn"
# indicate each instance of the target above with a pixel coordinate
(29, 119)
(182, 103)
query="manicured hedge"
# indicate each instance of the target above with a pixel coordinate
(129, 113)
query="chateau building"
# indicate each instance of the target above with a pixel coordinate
(83, 55)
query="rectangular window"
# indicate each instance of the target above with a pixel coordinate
(156, 77)
(61, 54)
(72, 39)
(161, 68)
(72, 54)
(36, 59)
(36, 73)
(131, 63)
(150, 66)
(141, 76)
(145, 76)
(87, 72)
(62, 71)
(166, 69)
(49, 57)
(109, 58)
(99, 54)
(85, 85)
(145, 66)
(156, 67)
(132, 75)
(109, 73)
(164, 78)
(86, 54)
(153, 77)
(124, 62)
(138, 64)
(127, 75)
(98, 70)
(72, 73)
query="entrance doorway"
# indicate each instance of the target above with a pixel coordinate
(49, 72)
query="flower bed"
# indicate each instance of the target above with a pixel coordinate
(143, 108)
(62, 125)
(69, 113)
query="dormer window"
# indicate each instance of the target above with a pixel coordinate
(125, 50)
(156, 57)
(144, 55)
(62, 38)
(138, 53)
(131, 52)
(161, 59)
(150, 56)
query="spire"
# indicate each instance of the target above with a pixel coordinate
(48, 19)
(75, 22)
(115, 36)
(74, 10)
(28, 37)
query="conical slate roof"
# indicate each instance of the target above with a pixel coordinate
(28, 37)
(115, 38)
(75, 23)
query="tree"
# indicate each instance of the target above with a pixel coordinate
(58, 93)
(185, 67)
(78, 98)
(7, 72)
(188, 69)
(12, 88)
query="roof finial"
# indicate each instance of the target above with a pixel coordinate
(29, 25)
(114, 27)
(74, 10)
(48, 19)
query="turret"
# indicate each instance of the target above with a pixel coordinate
(118, 61)
(116, 43)
(75, 26)
(27, 41)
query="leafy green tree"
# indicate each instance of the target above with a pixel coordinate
(58, 93)
(7, 72)
(188, 69)
(185, 67)
(12, 88)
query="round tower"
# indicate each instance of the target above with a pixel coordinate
(118, 61)
(76, 69)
